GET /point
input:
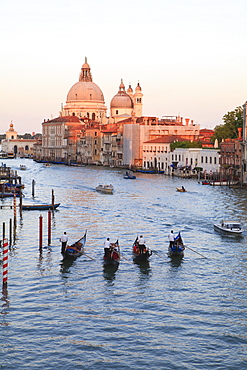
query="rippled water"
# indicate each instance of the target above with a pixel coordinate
(163, 315)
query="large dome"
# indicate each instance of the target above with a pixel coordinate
(84, 91)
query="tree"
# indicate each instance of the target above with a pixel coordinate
(186, 144)
(232, 121)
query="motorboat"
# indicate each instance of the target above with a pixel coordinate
(108, 189)
(231, 227)
(23, 167)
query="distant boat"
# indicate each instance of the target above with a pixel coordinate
(182, 189)
(39, 207)
(47, 165)
(129, 175)
(108, 189)
(23, 167)
(230, 227)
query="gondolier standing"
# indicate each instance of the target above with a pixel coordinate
(64, 240)
(171, 238)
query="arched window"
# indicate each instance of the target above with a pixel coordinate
(26, 147)
(93, 116)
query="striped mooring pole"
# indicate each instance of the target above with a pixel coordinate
(5, 262)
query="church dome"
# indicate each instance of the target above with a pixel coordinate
(85, 90)
(122, 99)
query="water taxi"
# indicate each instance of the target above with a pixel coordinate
(231, 227)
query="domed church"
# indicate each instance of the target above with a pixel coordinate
(126, 104)
(85, 99)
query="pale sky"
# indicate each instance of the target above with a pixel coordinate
(189, 56)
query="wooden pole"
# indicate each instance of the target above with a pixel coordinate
(14, 200)
(40, 231)
(49, 227)
(10, 231)
(33, 183)
(5, 263)
(3, 231)
(20, 204)
(52, 200)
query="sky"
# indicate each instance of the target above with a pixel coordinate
(189, 56)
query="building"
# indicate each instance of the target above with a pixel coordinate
(231, 154)
(15, 146)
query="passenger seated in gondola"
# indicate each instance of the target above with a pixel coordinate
(114, 255)
(74, 248)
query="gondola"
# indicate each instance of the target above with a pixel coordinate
(39, 207)
(140, 256)
(76, 249)
(177, 250)
(112, 256)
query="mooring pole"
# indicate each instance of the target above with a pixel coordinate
(49, 227)
(20, 202)
(40, 231)
(3, 231)
(10, 231)
(52, 200)
(14, 200)
(5, 263)
(33, 183)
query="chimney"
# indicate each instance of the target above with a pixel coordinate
(240, 130)
(187, 121)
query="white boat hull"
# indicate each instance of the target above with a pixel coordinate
(218, 227)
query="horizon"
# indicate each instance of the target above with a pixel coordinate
(188, 58)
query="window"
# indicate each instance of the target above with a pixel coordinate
(215, 161)
(206, 159)
(201, 159)
(95, 133)
(210, 160)
(116, 111)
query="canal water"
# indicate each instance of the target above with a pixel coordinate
(165, 315)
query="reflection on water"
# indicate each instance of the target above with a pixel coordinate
(160, 314)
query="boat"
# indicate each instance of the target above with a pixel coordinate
(108, 189)
(177, 250)
(76, 249)
(46, 164)
(129, 175)
(230, 227)
(139, 256)
(223, 183)
(23, 167)
(181, 190)
(205, 182)
(112, 255)
(39, 207)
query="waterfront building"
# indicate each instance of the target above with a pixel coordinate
(203, 159)
(231, 154)
(15, 146)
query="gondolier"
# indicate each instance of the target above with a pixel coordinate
(64, 239)
(171, 238)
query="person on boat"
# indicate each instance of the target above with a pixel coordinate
(171, 238)
(64, 240)
(107, 247)
(183, 188)
(141, 243)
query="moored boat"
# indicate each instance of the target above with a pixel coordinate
(229, 227)
(112, 255)
(223, 183)
(177, 249)
(140, 254)
(76, 249)
(39, 207)
(107, 189)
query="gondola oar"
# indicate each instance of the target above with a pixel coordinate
(158, 254)
(88, 256)
(194, 251)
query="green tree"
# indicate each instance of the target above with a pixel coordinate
(229, 130)
(186, 144)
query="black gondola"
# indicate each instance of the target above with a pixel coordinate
(138, 254)
(76, 249)
(112, 255)
(177, 249)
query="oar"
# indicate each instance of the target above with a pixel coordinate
(124, 257)
(194, 251)
(88, 256)
(158, 254)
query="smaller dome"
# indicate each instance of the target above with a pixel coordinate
(138, 87)
(129, 90)
(122, 100)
